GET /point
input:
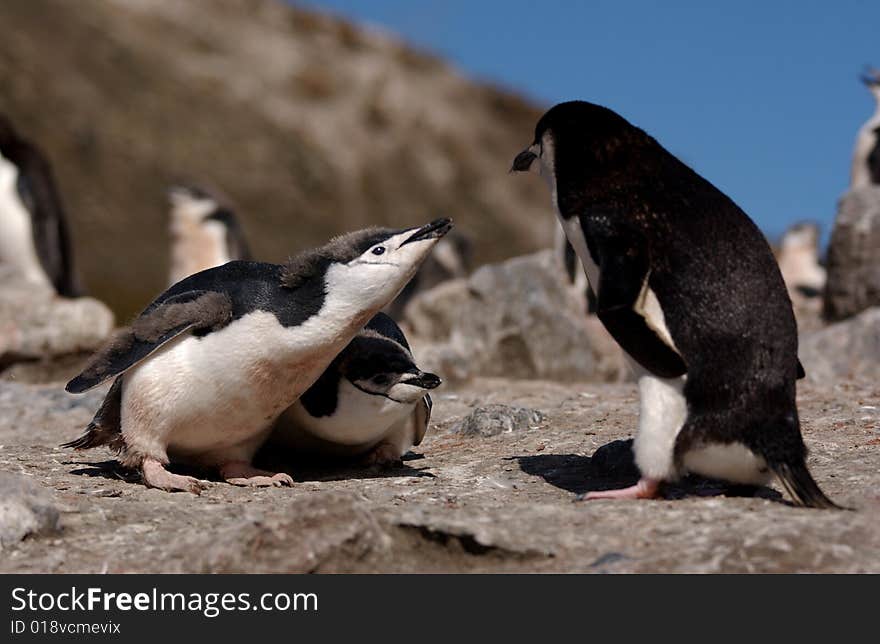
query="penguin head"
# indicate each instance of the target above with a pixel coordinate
(204, 233)
(190, 205)
(576, 143)
(802, 235)
(871, 78)
(368, 268)
(381, 367)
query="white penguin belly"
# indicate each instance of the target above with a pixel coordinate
(360, 419)
(214, 398)
(731, 462)
(16, 232)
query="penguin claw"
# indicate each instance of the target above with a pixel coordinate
(155, 475)
(262, 481)
(242, 474)
(384, 455)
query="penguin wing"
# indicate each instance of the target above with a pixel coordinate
(188, 311)
(625, 304)
(421, 418)
(874, 158)
(37, 191)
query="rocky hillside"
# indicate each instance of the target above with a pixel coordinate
(310, 124)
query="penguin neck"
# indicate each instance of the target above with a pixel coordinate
(875, 90)
(345, 310)
(197, 246)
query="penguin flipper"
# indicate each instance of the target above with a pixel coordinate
(421, 418)
(624, 270)
(800, 370)
(189, 311)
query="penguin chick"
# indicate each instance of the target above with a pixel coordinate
(798, 258)
(203, 373)
(372, 400)
(204, 232)
(866, 155)
(689, 288)
(33, 226)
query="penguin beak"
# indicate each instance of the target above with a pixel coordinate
(523, 161)
(434, 230)
(425, 381)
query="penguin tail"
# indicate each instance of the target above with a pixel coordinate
(98, 434)
(105, 428)
(799, 483)
(95, 436)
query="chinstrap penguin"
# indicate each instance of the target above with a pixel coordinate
(205, 232)
(866, 156)
(371, 402)
(688, 286)
(798, 258)
(34, 237)
(202, 374)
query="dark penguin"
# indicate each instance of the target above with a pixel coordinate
(688, 286)
(371, 402)
(203, 373)
(205, 232)
(866, 156)
(33, 226)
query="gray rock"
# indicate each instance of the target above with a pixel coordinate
(515, 319)
(318, 533)
(25, 509)
(853, 259)
(37, 325)
(847, 349)
(492, 420)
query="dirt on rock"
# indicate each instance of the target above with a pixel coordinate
(503, 503)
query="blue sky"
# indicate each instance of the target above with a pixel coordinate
(762, 98)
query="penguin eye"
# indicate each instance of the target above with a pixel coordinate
(379, 250)
(381, 379)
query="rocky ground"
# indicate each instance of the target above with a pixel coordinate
(466, 501)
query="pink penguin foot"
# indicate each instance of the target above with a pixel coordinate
(241, 473)
(644, 489)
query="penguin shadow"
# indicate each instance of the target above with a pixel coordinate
(112, 470)
(613, 466)
(310, 467)
(301, 469)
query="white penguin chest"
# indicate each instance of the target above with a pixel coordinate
(16, 231)
(575, 235)
(197, 246)
(359, 418)
(199, 394)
